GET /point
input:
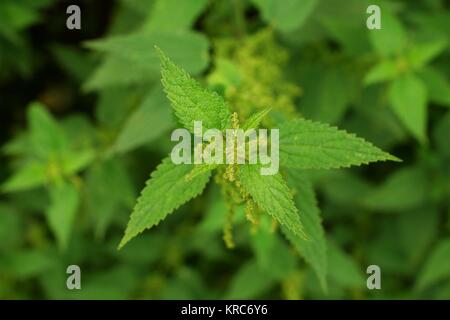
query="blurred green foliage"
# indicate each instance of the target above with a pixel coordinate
(85, 120)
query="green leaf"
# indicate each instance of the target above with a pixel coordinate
(226, 74)
(74, 161)
(80, 131)
(391, 38)
(142, 7)
(273, 196)
(47, 137)
(188, 49)
(374, 120)
(286, 15)
(17, 146)
(440, 135)
(254, 121)
(188, 284)
(344, 188)
(182, 15)
(249, 282)
(190, 100)
(75, 62)
(313, 250)
(108, 190)
(115, 283)
(16, 16)
(343, 22)
(343, 269)
(328, 91)
(442, 292)
(437, 267)
(437, 84)
(200, 169)
(385, 70)
(12, 228)
(408, 98)
(395, 193)
(64, 201)
(272, 254)
(166, 190)
(416, 231)
(113, 107)
(311, 145)
(132, 59)
(27, 263)
(30, 175)
(150, 120)
(116, 71)
(421, 54)
(384, 250)
(215, 213)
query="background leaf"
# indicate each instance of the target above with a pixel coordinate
(132, 58)
(47, 137)
(404, 190)
(64, 201)
(436, 267)
(314, 250)
(149, 121)
(391, 38)
(408, 99)
(286, 16)
(182, 14)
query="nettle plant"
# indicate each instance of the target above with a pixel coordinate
(287, 197)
